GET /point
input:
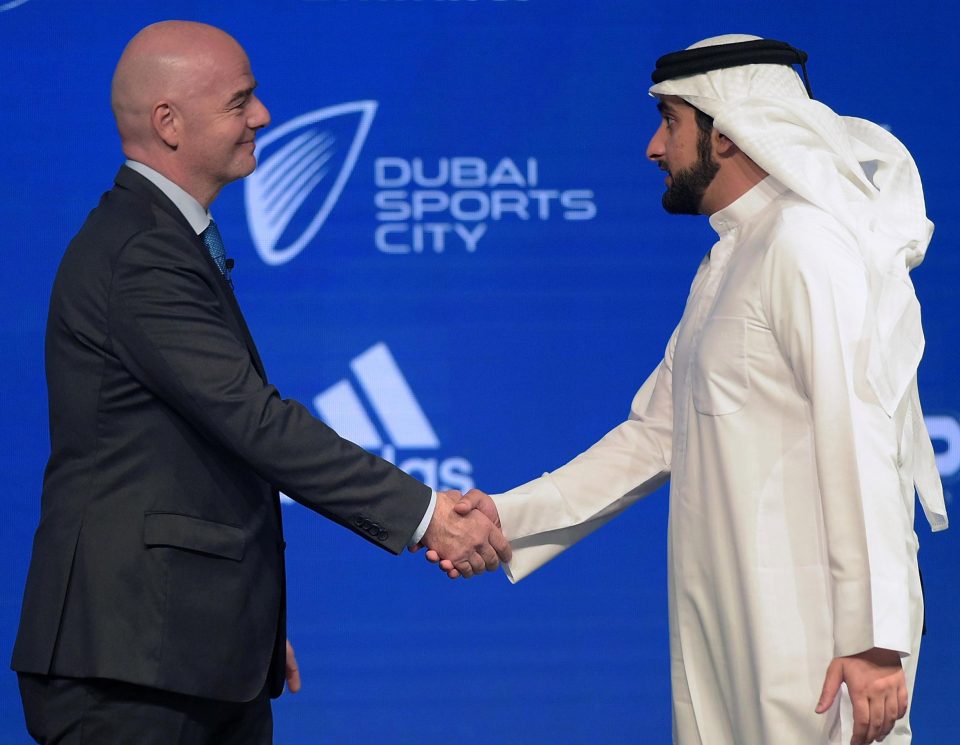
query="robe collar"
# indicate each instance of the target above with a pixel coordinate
(747, 206)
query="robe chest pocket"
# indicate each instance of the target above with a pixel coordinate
(721, 379)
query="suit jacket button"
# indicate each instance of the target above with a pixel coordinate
(383, 535)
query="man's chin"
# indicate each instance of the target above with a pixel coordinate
(680, 204)
(245, 168)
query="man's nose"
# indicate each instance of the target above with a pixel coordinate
(655, 146)
(259, 115)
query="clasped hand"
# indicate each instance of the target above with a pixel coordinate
(464, 535)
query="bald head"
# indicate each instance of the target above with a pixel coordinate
(182, 95)
(163, 62)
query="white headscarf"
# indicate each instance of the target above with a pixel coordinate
(851, 168)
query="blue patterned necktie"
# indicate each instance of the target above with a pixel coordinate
(214, 243)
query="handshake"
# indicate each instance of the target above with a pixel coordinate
(464, 536)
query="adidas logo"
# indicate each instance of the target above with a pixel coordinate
(379, 412)
(390, 398)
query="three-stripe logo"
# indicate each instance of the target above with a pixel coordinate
(390, 397)
(379, 412)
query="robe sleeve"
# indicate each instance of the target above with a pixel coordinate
(816, 294)
(544, 517)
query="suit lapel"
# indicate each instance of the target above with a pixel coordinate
(227, 293)
(129, 179)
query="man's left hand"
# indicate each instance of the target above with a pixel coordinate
(292, 671)
(878, 692)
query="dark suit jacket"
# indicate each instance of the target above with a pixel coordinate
(159, 555)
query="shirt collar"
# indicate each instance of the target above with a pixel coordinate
(192, 210)
(747, 206)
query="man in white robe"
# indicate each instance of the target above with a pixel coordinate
(785, 414)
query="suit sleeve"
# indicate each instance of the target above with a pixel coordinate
(544, 517)
(818, 303)
(168, 326)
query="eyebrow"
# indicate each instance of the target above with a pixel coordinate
(665, 108)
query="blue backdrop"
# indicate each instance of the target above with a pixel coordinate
(485, 242)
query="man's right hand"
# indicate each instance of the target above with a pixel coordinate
(477, 502)
(464, 539)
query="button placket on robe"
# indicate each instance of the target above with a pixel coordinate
(703, 299)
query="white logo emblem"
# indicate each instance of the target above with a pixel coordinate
(302, 168)
(11, 5)
(394, 407)
(391, 399)
(944, 430)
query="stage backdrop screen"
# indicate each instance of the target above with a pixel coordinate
(473, 283)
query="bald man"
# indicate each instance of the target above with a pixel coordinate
(154, 609)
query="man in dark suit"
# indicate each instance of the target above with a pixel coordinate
(154, 606)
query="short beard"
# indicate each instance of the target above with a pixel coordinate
(687, 187)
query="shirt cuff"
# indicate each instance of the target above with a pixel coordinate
(427, 517)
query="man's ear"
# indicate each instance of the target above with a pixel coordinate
(166, 124)
(723, 146)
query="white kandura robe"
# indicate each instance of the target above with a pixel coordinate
(792, 491)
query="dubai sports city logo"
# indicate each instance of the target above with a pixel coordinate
(302, 167)
(422, 205)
